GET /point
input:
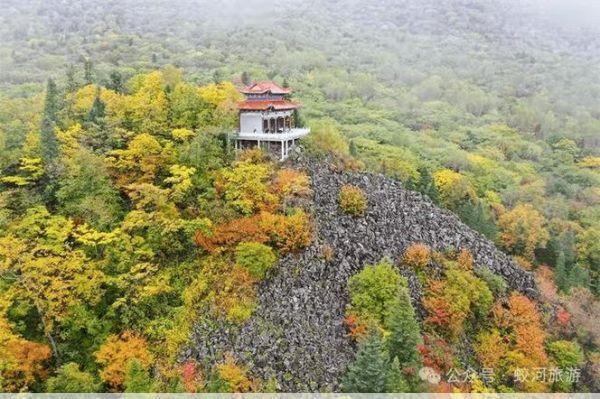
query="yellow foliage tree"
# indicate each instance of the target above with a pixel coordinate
(223, 98)
(48, 273)
(522, 230)
(453, 187)
(148, 105)
(141, 161)
(245, 187)
(235, 376)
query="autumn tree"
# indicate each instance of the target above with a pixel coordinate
(48, 273)
(522, 230)
(148, 105)
(453, 301)
(453, 188)
(115, 355)
(245, 187)
(141, 162)
(352, 200)
(516, 342)
(23, 363)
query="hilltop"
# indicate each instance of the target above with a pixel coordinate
(297, 334)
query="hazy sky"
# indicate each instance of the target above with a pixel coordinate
(573, 12)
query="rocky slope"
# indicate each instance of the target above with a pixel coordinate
(297, 335)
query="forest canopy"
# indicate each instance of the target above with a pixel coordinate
(126, 217)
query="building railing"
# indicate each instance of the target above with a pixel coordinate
(288, 134)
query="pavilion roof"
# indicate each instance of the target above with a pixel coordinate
(265, 87)
(264, 105)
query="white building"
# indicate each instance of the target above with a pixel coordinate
(267, 120)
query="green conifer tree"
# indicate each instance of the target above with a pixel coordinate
(88, 71)
(405, 334)
(70, 379)
(115, 82)
(561, 276)
(246, 78)
(426, 186)
(49, 142)
(396, 381)
(369, 372)
(137, 379)
(98, 110)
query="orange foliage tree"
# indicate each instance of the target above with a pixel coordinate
(516, 343)
(22, 362)
(116, 353)
(417, 256)
(285, 232)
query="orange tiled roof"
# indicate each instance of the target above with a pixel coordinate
(265, 87)
(263, 105)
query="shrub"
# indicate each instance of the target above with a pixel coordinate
(327, 252)
(465, 260)
(257, 258)
(234, 376)
(495, 282)
(417, 256)
(69, 379)
(374, 290)
(291, 182)
(287, 233)
(353, 200)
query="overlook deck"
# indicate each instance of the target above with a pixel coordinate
(267, 120)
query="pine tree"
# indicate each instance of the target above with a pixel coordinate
(88, 71)
(404, 331)
(368, 373)
(426, 186)
(115, 82)
(396, 381)
(49, 142)
(352, 148)
(561, 276)
(246, 78)
(71, 80)
(97, 112)
(137, 379)
(476, 215)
